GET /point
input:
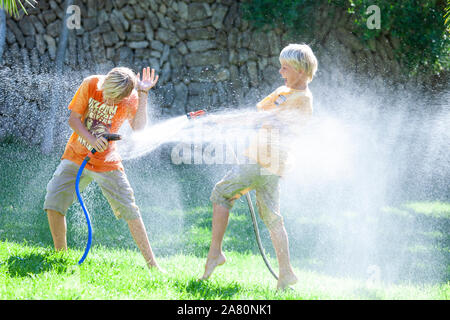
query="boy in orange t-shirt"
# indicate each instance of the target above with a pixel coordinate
(101, 105)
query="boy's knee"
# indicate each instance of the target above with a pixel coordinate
(218, 197)
(269, 213)
(53, 212)
(127, 213)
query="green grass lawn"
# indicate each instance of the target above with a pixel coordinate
(408, 242)
(31, 272)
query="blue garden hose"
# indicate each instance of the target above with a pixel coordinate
(109, 137)
(86, 213)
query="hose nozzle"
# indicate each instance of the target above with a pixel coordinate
(112, 136)
(195, 114)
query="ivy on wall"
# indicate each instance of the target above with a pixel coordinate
(421, 25)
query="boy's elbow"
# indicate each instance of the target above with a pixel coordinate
(73, 118)
(70, 122)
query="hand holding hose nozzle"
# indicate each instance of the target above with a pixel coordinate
(108, 137)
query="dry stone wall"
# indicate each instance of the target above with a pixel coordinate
(206, 54)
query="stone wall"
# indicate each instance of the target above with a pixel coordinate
(207, 55)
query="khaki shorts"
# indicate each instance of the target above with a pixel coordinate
(114, 185)
(243, 178)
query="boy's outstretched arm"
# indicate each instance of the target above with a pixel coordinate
(248, 118)
(149, 80)
(244, 118)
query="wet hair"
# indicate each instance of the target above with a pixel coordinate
(301, 58)
(118, 83)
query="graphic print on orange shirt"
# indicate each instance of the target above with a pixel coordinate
(98, 119)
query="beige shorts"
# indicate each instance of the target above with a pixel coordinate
(243, 178)
(114, 185)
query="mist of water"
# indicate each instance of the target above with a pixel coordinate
(218, 127)
(369, 147)
(365, 150)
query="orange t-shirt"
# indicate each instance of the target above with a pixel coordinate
(99, 118)
(292, 108)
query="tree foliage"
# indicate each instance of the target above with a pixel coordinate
(422, 26)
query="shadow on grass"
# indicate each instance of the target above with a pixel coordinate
(208, 289)
(35, 263)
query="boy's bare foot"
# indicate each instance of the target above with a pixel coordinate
(154, 267)
(158, 269)
(211, 264)
(287, 280)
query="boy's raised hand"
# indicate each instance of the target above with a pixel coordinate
(149, 79)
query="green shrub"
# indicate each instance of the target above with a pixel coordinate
(421, 25)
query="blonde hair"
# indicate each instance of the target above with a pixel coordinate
(118, 83)
(301, 58)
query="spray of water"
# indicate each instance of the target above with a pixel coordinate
(220, 127)
(363, 151)
(138, 144)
